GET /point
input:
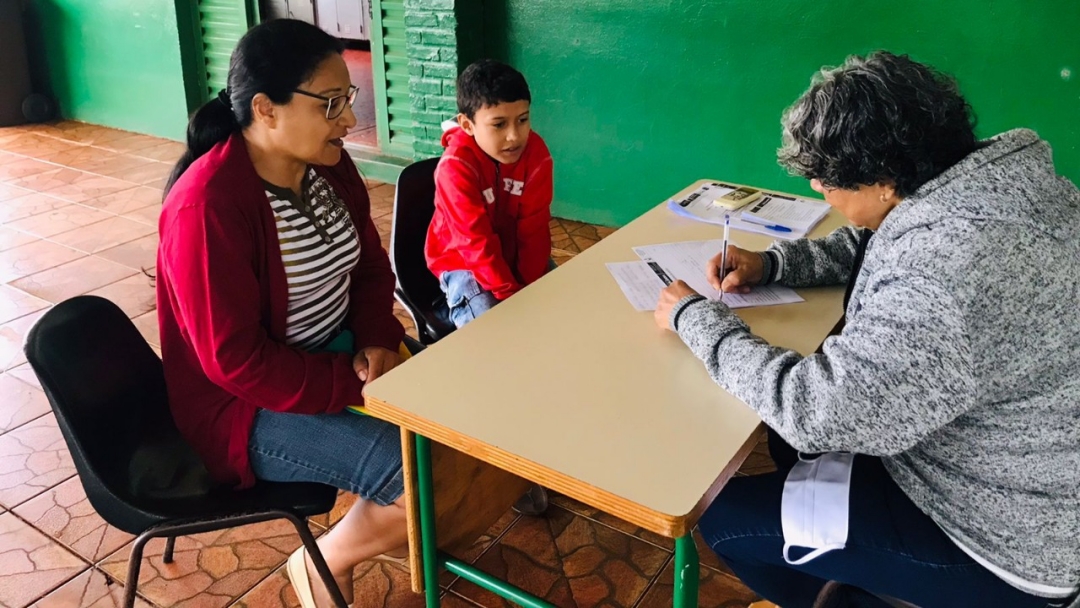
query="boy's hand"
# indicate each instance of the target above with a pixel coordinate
(744, 270)
(374, 361)
(671, 296)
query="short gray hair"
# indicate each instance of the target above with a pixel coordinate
(882, 118)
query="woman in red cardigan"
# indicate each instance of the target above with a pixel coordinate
(275, 296)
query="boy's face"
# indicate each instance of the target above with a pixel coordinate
(501, 130)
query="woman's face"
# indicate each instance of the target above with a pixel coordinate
(302, 129)
(866, 206)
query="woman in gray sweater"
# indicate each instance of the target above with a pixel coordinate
(956, 379)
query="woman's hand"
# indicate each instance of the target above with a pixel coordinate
(374, 361)
(668, 299)
(744, 270)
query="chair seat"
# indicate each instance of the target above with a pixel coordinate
(137, 515)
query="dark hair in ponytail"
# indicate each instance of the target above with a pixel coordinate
(272, 58)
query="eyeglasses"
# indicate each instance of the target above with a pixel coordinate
(334, 105)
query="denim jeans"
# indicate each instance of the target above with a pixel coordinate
(893, 548)
(355, 453)
(358, 454)
(465, 298)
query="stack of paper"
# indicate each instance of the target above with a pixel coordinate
(641, 282)
(774, 215)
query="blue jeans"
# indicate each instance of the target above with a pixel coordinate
(358, 454)
(355, 453)
(893, 548)
(465, 298)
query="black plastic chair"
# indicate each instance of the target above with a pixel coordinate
(107, 389)
(417, 289)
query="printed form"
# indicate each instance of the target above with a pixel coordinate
(641, 282)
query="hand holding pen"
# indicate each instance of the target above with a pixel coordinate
(742, 270)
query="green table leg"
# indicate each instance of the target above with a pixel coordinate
(686, 572)
(426, 490)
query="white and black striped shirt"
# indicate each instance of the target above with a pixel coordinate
(319, 248)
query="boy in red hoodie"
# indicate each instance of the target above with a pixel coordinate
(489, 236)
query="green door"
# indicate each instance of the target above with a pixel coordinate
(390, 71)
(208, 37)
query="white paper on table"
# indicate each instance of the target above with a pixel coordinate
(703, 210)
(800, 215)
(688, 261)
(638, 282)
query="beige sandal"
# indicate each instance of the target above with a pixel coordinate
(297, 570)
(401, 562)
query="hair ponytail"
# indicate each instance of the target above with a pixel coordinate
(273, 58)
(210, 125)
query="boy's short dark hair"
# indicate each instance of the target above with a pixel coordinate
(488, 83)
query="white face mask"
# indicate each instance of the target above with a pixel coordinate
(814, 507)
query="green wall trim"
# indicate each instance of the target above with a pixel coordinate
(638, 99)
(378, 167)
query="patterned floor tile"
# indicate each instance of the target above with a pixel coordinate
(147, 325)
(91, 589)
(58, 220)
(134, 295)
(88, 158)
(610, 520)
(36, 146)
(33, 458)
(146, 173)
(31, 258)
(482, 544)
(31, 565)
(12, 338)
(569, 561)
(148, 215)
(140, 254)
(24, 373)
(716, 591)
(15, 303)
(73, 185)
(19, 167)
(126, 201)
(8, 192)
(32, 203)
(65, 514)
(104, 235)
(19, 403)
(211, 569)
(73, 278)
(132, 143)
(164, 151)
(10, 239)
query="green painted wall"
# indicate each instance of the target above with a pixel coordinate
(110, 62)
(637, 99)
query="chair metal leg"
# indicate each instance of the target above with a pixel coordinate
(134, 565)
(318, 560)
(170, 543)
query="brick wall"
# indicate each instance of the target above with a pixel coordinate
(432, 47)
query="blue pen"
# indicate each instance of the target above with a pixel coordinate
(779, 228)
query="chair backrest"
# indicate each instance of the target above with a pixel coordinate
(107, 389)
(417, 289)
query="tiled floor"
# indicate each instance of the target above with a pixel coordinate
(78, 214)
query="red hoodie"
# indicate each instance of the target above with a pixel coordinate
(222, 300)
(490, 218)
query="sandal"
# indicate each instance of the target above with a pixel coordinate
(401, 562)
(297, 570)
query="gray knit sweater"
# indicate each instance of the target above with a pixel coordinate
(960, 360)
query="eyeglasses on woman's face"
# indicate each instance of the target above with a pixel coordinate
(334, 105)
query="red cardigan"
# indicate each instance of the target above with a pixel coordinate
(222, 299)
